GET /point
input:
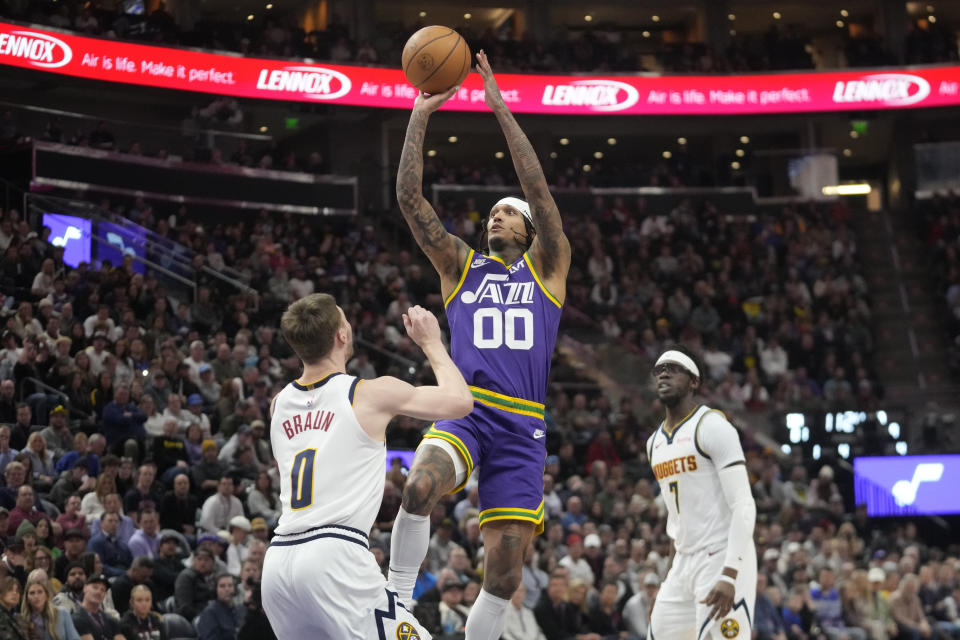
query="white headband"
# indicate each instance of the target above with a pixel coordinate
(681, 359)
(517, 204)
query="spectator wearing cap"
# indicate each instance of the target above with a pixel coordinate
(178, 507)
(770, 566)
(575, 563)
(74, 544)
(70, 596)
(196, 415)
(261, 443)
(636, 612)
(245, 412)
(89, 619)
(139, 573)
(58, 436)
(146, 540)
(221, 618)
(7, 453)
(146, 490)
(195, 360)
(205, 475)
(123, 420)
(159, 389)
(441, 544)
(453, 614)
(207, 384)
(113, 552)
(221, 507)
(877, 615)
(593, 553)
(194, 587)
(238, 549)
(167, 566)
(242, 438)
(98, 352)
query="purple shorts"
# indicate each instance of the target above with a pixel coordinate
(506, 440)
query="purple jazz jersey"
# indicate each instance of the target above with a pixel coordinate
(503, 326)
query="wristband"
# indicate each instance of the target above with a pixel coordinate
(725, 578)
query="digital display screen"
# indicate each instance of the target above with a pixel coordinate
(71, 233)
(908, 485)
(121, 241)
(405, 456)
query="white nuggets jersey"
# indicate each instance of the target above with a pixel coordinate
(685, 463)
(331, 471)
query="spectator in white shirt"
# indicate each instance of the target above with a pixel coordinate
(519, 621)
(636, 612)
(238, 550)
(773, 359)
(220, 508)
(101, 317)
(196, 359)
(576, 565)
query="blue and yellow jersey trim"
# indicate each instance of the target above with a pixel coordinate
(433, 432)
(672, 432)
(514, 513)
(507, 403)
(463, 277)
(536, 276)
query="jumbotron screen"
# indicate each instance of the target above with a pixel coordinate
(908, 485)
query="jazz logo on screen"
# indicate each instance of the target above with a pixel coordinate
(905, 491)
(70, 233)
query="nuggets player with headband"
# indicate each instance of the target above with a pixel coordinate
(697, 459)
(327, 430)
(504, 310)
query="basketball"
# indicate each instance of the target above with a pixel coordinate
(436, 58)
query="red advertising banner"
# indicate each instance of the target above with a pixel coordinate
(112, 61)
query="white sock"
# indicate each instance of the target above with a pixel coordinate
(408, 548)
(486, 618)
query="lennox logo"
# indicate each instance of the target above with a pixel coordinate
(39, 49)
(599, 95)
(892, 89)
(315, 82)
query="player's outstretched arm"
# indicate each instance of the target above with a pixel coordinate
(445, 251)
(380, 399)
(550, 249)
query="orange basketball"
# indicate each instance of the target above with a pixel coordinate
(435, 59)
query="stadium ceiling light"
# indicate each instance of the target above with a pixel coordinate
(740, 153)
(553, 154)
(263, 128)
(655, 18)
(735, 165)
(598, 154)
(840, 24)
(432, 152)
(681, 140)
(587, 168)
(844, 13)
(847, 153)
(931, 19)
(564, 141)
(854, 135)
(611, 141)
(646, 34)
(733, 32)
(423, 14)
(929, 8)
(467, 16)
(250, 17)
(588, 18)
(744, 140)
(777, 15)
(452, 139)
(731, 17)
(499, 155)
(667, 155)
(859, 189)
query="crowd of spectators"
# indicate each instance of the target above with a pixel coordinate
(598, 47)
(939, 222)
(143, 459)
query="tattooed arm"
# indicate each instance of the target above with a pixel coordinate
(550, 250)
(445, 251)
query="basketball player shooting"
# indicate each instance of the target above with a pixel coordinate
(327, 430)
(503, 307)
(697, 459)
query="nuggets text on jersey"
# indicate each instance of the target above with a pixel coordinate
(675, 466)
